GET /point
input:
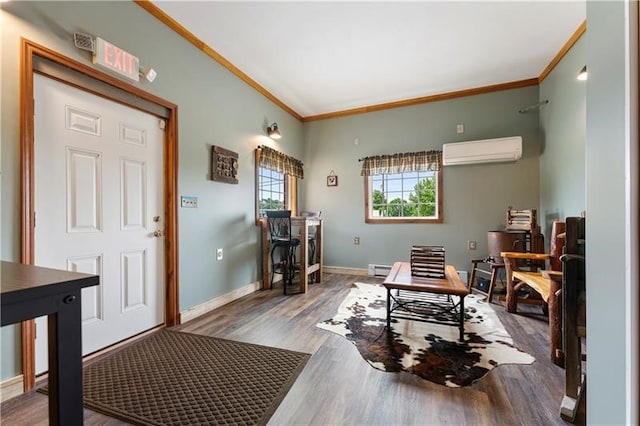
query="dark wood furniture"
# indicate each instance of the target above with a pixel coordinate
(307, 271)
(574, 315)
(484, 267)
(400, 279)
(28, 292)
(521, 234)
(283, 246)
(527, 222)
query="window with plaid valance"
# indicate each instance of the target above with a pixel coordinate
(400, 163)
(275, 160)
(403, 188)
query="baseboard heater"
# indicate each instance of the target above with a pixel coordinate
(378, 270)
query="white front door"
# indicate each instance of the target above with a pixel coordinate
(98, 202)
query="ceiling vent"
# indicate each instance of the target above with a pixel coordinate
(482, 151)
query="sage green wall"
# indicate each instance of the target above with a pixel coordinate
(563, 133)
(215, 107)
(612, 253)
(476, 197)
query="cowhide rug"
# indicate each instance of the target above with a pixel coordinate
(430, 351)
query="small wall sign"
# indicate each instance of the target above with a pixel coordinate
(332, 179)
(224, 165)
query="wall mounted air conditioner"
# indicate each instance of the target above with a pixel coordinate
(482, 151)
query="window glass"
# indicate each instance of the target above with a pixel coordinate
(404, 197)
(271, 190)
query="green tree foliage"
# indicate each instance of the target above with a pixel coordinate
(271, 204)
(399, 207)
(424, 197)
(379, 203)
(422, 202)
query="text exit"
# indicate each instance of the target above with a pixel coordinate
(114, 59)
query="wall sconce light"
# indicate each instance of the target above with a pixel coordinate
(582, 75)
(149, 73)
(273, 132)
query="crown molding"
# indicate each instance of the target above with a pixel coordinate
(563, 51)
(207, 50)
(425, 99)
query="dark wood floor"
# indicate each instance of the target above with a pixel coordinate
(338, 387)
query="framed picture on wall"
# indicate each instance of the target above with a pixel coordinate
(224, 165)
(332, 180)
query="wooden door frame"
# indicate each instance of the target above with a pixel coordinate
(31, 51)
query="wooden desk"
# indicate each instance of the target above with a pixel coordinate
(31, 291)
(303, 223)
(400, 278)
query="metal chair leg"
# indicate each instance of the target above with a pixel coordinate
(290, 267)
(273, 267)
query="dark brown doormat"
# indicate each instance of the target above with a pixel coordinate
(175, 378)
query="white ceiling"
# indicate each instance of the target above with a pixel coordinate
(320, 57)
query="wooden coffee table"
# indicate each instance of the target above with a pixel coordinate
(415, 297)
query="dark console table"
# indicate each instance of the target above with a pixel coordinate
(31, 291)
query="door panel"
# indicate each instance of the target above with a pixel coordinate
(84, 196)
(92, 300)
(98, 201)
(134, 199)
(134, 281)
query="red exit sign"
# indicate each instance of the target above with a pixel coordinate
(117, 60)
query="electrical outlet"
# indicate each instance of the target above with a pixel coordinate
(460, 128)
(472, 245)
(189, 202)
(356, 241)
(219, 254)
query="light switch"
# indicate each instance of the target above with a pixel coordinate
(189, 202)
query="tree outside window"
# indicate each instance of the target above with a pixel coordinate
(271, 190)
(409, 196)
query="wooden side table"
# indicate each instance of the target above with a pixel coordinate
(28, 292)
(492, 272)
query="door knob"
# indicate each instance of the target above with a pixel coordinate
(158, 233)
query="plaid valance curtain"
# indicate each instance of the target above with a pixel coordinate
(399, 163)
(279, 162)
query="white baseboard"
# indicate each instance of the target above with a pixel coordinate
(10, 388)
(210, 305)
(222, 300)
(344, 271)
